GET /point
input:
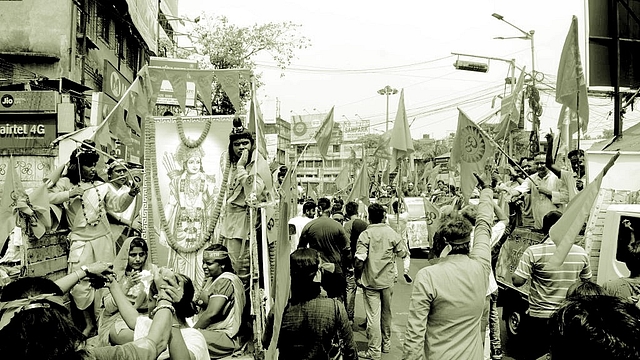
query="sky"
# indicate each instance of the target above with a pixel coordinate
(358, 47)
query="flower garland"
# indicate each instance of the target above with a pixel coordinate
(164, 224)
(99, 210)
(188, 143)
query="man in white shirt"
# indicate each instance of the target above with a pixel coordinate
(574, 181)
(548, 193)
(298, 222)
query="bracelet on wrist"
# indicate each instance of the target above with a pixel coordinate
(163, 306)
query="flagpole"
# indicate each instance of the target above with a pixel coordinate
(124, 96)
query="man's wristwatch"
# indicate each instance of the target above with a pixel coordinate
(85, 268)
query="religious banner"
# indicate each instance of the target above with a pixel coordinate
(183, 180)
(472, 150)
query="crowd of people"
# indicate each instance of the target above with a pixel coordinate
(133, 309)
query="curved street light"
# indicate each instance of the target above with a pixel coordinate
(387, 90)
(527, 36)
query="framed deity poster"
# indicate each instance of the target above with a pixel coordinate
(183, 178)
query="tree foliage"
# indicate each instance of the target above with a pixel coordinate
(220, 44)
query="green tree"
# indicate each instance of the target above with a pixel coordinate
(221, 45)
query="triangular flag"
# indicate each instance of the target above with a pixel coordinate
(510, 109)
(564, 232)
(433, 217)
(401, 142)
(256, 124)
(433, 176)
(425, 173)
(178, 80)
(282, 280)
(342, 180)
(382, 150)
(204, 88)
(150, 82)
(39, 199)
(13, 192)
(472, 150)
(323, 136)
(361, 186)
(229, 81)
(571, 89)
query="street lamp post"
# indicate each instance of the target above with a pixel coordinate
(387, 90)
(535, 141)
(527, 36)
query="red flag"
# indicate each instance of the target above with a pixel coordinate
(564, 232)
(323, 136)
(571, 89)
(361, 185)
(472, 150)
(401, 142)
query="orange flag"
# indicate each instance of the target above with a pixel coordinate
(433, 215)
(564, 232)
(472, 150)
(571, 89)
(342, 180)
(510, 109)
(11, 196)
(361, 186)
(230, 82)
(256, 124)
(323, 136)
(401, 142)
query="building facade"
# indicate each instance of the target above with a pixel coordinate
(65, 64)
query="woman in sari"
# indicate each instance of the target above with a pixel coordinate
(134, 270)
(221, 303)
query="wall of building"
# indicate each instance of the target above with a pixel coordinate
(38, 27)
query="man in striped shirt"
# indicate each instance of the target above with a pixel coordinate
(548, 285)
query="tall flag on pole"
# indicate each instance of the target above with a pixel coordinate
(510, 109)
(342, 180)
(564, 232)
(571, 89)
(433, 176)
(256, 123)
(433, 218)
(425, 173)
(401, 142)
(361, 185)
(472, 150)
(323, 136)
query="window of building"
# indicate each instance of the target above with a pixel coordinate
(336, 148)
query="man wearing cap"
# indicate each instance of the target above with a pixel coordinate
(243, 189)
(547, 191)
(448, 297)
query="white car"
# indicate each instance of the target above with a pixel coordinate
(417, 233)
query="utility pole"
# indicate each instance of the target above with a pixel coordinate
(387, 90)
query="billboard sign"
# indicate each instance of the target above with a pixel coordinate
(352, 131)
(305, 127)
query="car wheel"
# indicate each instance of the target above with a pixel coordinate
(514, 322)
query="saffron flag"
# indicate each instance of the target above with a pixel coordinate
(282, 281)
(323, 136)
(12, 197)
(425, 173)
(361, 186)
(433, 177)
(432, 214)
(229, 80)
(342, 180)
(571, 89)
(256, 124)
(564, 232)
(472, 151)
(510, 109)
(401, 142)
